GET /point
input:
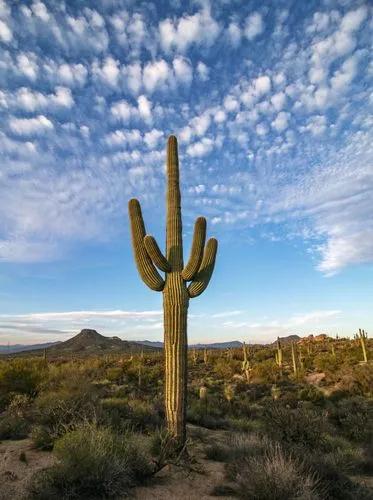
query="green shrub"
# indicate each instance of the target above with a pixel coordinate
(353, 417)
(312, 394)
(14, 423)
(58, 411)
(301, 426)
(13, 427)
(20, 376)
(93, 463)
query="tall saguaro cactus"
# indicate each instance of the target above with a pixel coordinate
(174, 285)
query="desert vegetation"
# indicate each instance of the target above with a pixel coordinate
(298, 428)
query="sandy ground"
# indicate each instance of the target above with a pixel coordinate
(15, 473)
(198, 482)
(172, 482)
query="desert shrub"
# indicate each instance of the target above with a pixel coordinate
(13, 427)
(20, 376)
(14, 423)
(207, 414)
(144, 415)
(225, 369)
(299, 426)
(275, 475)
(333, 480)
(93, 463)
(326, 362)
(236, 447)
(116, 413)
(266, 372)
(56, 412)
(353, 417)
(312, 394)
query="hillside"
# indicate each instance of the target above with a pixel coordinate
(89, 342)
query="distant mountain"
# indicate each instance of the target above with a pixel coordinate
(9, 349)
(89, 342)
(233, 344)
(288, 339)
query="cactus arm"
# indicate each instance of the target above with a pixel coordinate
(203, 276)
(196, 253)
(174, 241)
(146, 269)
(155, 254)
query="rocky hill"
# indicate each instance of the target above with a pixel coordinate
(89, 342)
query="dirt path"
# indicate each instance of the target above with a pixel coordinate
(15, 472)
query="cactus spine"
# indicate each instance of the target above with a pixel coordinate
(176, 291)
(363, 337)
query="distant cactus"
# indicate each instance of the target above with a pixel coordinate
(176, 292)
(229, 392)
(205, 356)
(363, 336)
(246, 367)
(293, 357)
(195, 356)
(203, 392)
(278, 354)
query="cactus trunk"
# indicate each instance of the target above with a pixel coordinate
(176, 292)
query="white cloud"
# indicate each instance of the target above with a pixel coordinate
(108, 72)
(316, 125)
(254, 25)
(32, 101)
(199, 28)
(122, 110)
(200, 148)
(5, 32)
(280, 123)
(203, 71)
(262, 85)
(133, 76)
(122, 137)
(30, 126)
(183, 70)
(152, 138)
(28, 66)
(156, 75)
(200, 124)
(234, 34)
(72, 74)
(144, 107)
(261, 129)
(278, 100)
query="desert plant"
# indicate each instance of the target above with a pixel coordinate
(93, 463)
(246, 365)
(278, 354)
(274, 475)
(363, 337)
(176, 293)
(294, 360)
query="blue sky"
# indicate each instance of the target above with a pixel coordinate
(272, 105)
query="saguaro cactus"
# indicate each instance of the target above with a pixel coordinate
(246, 366)
(278, 354)
(295, 369)
(174, 285)
(363, 337)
